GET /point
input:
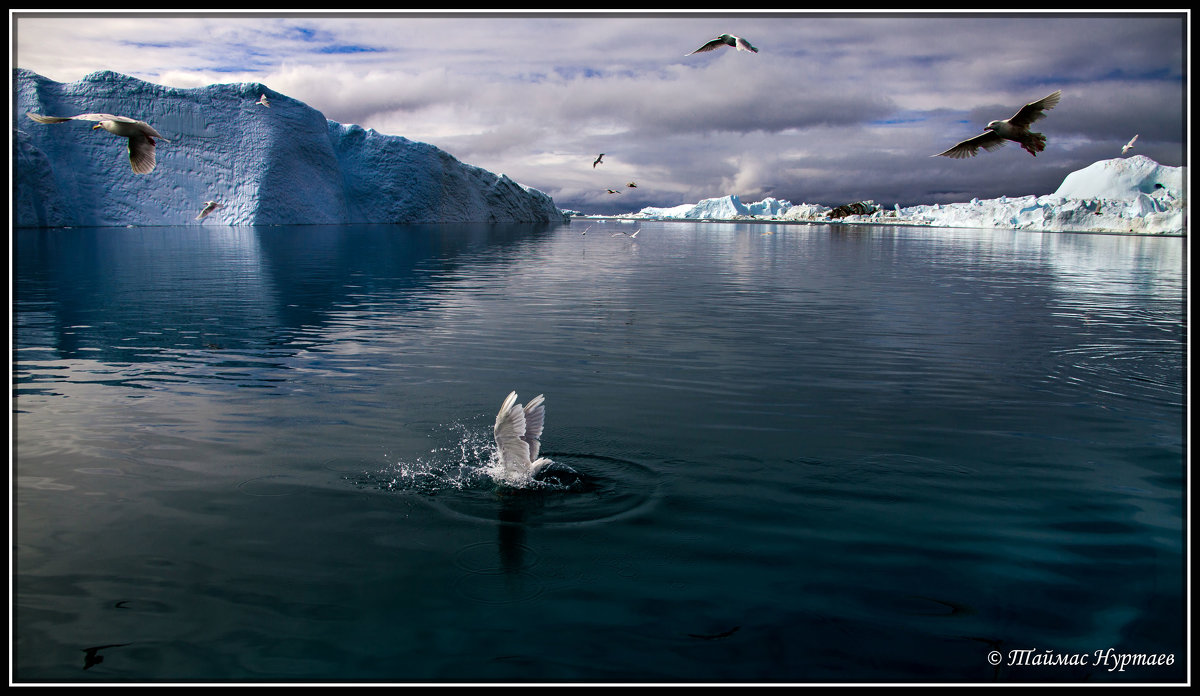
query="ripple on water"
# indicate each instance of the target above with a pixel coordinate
(461, 485)
(609, 488)
(1150, 372)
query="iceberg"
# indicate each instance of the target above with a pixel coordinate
(1124, 195)
(285, 164)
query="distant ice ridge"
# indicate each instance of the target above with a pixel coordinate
(283, 164)
(1134, 194)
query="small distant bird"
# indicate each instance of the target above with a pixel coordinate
(518, 433)
(140, 134)
(619, 233)
(1129, 145)
(597, 160)
(1015, 129)
(611, 191)
(586, 229)
(263, 101)
(209, 206)
(631, 185)
(726, 40)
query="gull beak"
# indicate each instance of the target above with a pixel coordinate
(95, 126)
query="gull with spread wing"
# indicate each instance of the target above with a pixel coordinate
(141, 135)
(1016, 129)
(518, 433)
(726, 40)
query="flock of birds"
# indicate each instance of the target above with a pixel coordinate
(518, 427)
(995, 134)
(141, 136)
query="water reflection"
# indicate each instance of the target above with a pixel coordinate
(127, 295)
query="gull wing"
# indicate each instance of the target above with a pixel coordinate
(988, 140)
(142, 125)
(535, 420)
(509, 431)
(1034, 111)
(81, 117)
(710, 46)
(744, 45)
(141, 153)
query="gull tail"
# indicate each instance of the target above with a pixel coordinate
(537, 465)
(1034, 143)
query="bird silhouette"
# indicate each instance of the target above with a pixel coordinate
(597, 160)
(726, 40)
(1016, 129)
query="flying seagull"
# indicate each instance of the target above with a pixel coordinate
(1015, 129)
(619, 233)
(586, 229)
(264, 101)
(631, 185)
(209, 206)
(1129, 145)
(597, 160)
(726, 40)
(612, 191)
(140, 134)
(518, 433)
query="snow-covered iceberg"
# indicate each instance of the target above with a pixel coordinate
(1126, 195)
(279, 164)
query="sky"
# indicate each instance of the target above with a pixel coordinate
(834, 107)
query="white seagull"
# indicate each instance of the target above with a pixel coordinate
(1016, 129)
(726, 40)
(264, 101)
(209, 206)
(1129, 145)
(619, 233)
(518, 433)
(141, 135)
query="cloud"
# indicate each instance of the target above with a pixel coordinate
(832, 108)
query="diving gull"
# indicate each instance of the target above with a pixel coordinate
(264, 101)
(140, 134)
(597, 160)
(726, 40)
(518, 433)
(1129, 145)
(209, 207)
(1015, 129)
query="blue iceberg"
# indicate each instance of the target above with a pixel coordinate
(283, 164)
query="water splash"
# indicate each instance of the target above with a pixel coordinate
(470, 462)
(467, 463)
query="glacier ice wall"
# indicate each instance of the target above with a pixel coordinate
(1133, 195)
(282, 164)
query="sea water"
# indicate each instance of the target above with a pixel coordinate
(812, 453)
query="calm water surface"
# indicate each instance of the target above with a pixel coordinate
(811, 454)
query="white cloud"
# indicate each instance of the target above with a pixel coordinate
(828, 105)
